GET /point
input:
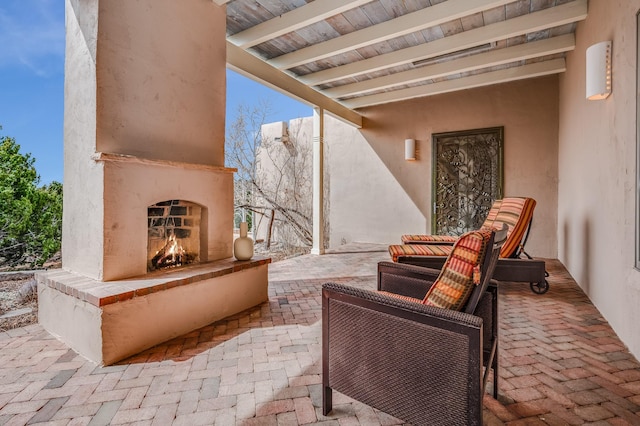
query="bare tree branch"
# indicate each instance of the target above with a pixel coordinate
(272, 179)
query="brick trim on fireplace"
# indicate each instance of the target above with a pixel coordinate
(100, 293)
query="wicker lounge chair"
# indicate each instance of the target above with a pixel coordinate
(427, 365)
(517, 212)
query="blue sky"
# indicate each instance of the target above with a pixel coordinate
(32, 83)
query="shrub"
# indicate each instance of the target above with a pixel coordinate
(30, 215)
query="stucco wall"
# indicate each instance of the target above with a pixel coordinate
(161, 80)
(82, 239)
(355, 178)
(284, 168)
(597, 151)
(366, 202)
(377, 195)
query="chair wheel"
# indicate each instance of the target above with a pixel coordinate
(539, 288)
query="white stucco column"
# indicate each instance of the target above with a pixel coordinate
(318, 181)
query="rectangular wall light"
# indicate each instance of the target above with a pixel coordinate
(599, 71)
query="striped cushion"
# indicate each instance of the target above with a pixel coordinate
(413, 238)
(493, 212)
(450, 239)
(399, 250)
(456, 281)
(516, 213)
(401, 297)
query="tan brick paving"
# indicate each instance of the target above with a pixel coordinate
(560, 363)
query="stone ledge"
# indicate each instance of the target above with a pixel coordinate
(102, 293)
(123, 158)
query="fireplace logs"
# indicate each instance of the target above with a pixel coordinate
(174, 234)
(172, 254)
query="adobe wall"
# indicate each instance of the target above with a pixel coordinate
(376, 195)
(161, 74)
(597, 171)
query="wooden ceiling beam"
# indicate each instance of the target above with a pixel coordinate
(560, 44)
(255, 68)
(537, 69)
(536, 21)
(403, 25)
(291, 21)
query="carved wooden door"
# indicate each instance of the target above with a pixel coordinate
(467, 178)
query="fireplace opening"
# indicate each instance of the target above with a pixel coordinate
(173, 234)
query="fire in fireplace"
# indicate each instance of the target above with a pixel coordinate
(174, 234)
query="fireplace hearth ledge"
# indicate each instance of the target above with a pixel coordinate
(109, 321)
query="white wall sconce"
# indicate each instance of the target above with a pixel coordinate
(599, 71)
(409, 149)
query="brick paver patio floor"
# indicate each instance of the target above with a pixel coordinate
(561, 363)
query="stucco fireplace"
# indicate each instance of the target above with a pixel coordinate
(148, 203)
(165, 264)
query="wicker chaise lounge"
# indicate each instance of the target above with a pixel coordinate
(517, 212)
(427, 365)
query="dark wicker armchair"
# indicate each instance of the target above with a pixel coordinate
(422, 364)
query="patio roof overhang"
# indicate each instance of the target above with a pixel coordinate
(345, 55)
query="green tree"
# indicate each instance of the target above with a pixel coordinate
(30, 216)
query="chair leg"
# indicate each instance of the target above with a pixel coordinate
(495, 332)
(495, 374)
(492, 364)
(327, 400)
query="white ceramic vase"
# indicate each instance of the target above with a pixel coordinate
(243, 245)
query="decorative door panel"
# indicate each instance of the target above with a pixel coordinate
(467, 178)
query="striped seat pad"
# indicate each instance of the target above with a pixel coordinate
(400, 250)
(493, 212)
(460, 273)
(516, 213)
(450, 239)
(417, 238)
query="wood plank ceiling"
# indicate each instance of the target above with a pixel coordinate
(343, 55)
